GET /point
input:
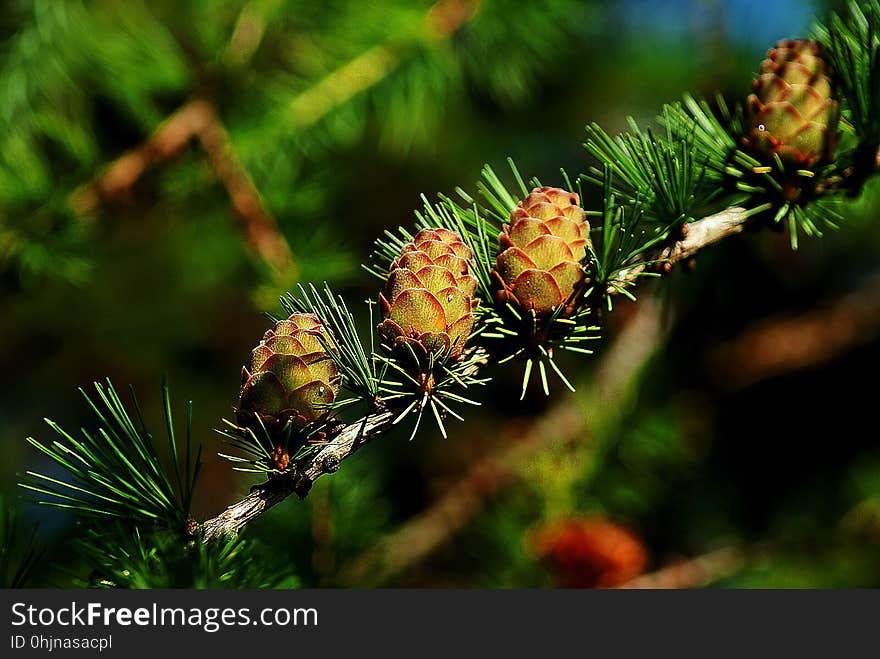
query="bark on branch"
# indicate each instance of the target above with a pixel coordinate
(692, 573)
(195, 121)
(299, 480)
(706, 232)
(697, 236)
(700, 234)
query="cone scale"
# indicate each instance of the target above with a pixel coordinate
(428, 301)
(793, 111)
(538, 268)
(290, 377)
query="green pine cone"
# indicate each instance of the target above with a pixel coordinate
(428, 300)
(793, 110)
(290, 376)
(540, 251)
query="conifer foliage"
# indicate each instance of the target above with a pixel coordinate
(506, 277)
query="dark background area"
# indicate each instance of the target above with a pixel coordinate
(747, 436)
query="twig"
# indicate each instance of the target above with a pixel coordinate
(442, 20)
(706, 231)
(260, 228)
(786, 343)
(300, 479)
(167, 141)
(196, 120)
(692, 573)
(697, 236)
(249, 30)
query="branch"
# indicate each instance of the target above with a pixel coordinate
(371, 67)
(260, 229)
(701, 233)
(783, 344)
(692, 573)
(697, 236)
(300, 479)
(196, 120)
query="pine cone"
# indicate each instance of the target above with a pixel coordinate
(538, 265)
(291, 375)
(793, 111)
(590, 552)
(428, 299)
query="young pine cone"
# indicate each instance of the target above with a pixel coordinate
(793, 110)
(429, 296)
(291, 376)
(540, 251)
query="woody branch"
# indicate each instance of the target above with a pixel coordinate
(700, 234)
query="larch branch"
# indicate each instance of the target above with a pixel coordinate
(700, 234)
(299, 480)
(785, 343)
(692, 573)
(195, 120)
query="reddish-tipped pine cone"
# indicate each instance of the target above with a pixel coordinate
(429, 296)
(590, 552)
(540, 251)
(290, 376)
(793, 110)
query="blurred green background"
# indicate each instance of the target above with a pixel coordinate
(727, 421)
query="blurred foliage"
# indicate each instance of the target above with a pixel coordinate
(20, 553)
(122, 559)
(342, 113)
(296, 82)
